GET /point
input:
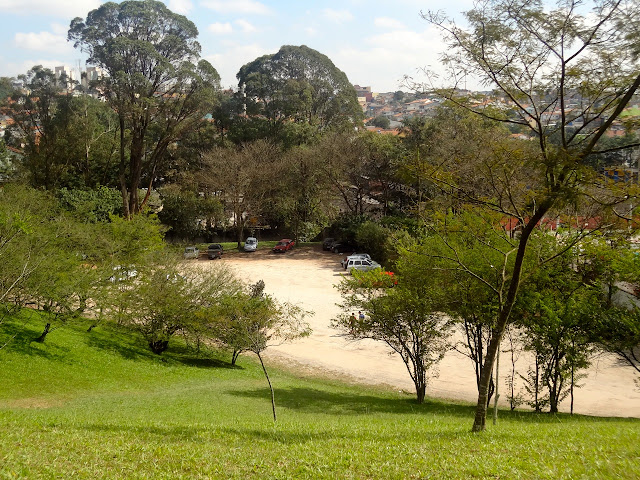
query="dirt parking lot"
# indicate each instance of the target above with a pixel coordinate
(307, 276)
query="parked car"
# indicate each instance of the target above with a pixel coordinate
(191, 252)
(122, 273)
(327, 243)
(214, 251)
(344, 247)
(250, 244)
(284, 245)
(346, 259)
(362, 265)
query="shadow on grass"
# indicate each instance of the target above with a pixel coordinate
(312, 400)
(20, 336)
(130, 346)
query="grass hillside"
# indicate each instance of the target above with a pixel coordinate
(100, 406)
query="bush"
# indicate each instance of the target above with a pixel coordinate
(375, 240)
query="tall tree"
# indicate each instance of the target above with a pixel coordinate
(153, 79)
(33, 111)
(68, 141)
(556, 68)
(299, 84)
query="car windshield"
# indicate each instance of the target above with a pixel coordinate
(250, 241)
(281, 244)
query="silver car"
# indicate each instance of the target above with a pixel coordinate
(362, 265)
(250, 244)
(346, 259)
(191, 252)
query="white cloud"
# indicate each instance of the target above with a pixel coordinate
(245, 26)
(43, 42)
(60, 29)
(337, 16)
(221, 28)
(180, 6)
(13, 69)
(236, 6)
(235, 56)
(388, 23)
(386, 58)
(58, 8)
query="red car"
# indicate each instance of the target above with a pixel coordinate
(284, 245)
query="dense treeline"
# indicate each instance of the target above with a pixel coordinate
(518, 236)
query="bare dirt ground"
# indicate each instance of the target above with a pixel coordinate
(306, 277)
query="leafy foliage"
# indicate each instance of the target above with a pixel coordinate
(299, 84)
(405, 317)
(155, 81)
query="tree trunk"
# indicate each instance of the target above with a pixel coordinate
(47, 329)
(158, 346)
(421, 390)
(135, 170)
(496, 385)
(572, 384)
(503, 318)
(234, 357)
(273, 398)
(122, 173)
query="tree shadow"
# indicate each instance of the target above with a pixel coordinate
(312, 400)
(130, 346)
(21, 339)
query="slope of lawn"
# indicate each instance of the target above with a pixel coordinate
(99, 405)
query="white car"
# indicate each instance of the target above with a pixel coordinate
(191, 252)
(362, 265)
(122, 273)
(250, 244)
(346, 259)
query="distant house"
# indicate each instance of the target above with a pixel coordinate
(419, 106)
(364, 92)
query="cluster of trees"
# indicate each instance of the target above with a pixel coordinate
(63, 261)
(462, 208)
(491, 253)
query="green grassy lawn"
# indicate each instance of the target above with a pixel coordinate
(99, 405)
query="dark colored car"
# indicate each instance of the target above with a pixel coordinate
(284, 245)
(343, 247)
(214, 251)
(327, 243)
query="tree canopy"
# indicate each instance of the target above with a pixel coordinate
(569, 74)
(153, 79)
(300, 84)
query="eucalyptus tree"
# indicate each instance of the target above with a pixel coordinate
(34, 112)
(153, 78)
(299, 84)
(66, 141)
(557, 68)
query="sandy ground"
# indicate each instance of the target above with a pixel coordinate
(307, 277)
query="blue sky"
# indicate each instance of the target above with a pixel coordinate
(374, 42)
